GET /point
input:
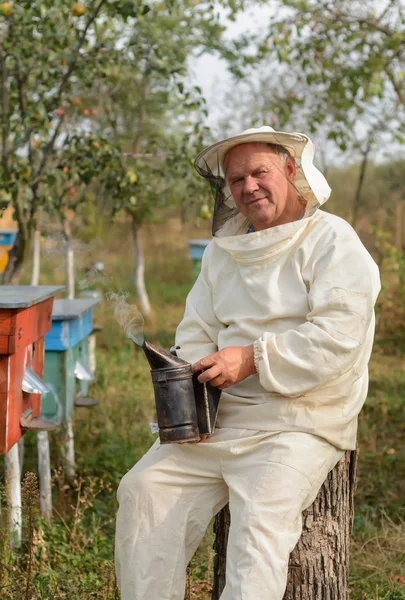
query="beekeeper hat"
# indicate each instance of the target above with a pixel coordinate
(310, 184)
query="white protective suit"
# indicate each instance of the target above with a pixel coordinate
(303, 293)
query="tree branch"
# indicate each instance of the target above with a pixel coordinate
(23, 110)
(50, 146)
(5, 125)
(147, 155)
(386, 10)
(76, 52)
(400, 94)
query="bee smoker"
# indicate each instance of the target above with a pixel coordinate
(186, 408)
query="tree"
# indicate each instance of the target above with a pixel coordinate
(48, 49)
(86, 84)
(349, 53)
(155, 117)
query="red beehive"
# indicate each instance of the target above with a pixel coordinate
(25, 317)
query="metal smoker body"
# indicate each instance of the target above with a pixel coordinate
(186, 408)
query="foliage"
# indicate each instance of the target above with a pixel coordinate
(48, 51)
(84, 89)
(344, 58)
(391, 301)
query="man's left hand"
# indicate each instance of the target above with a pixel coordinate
(226, 367)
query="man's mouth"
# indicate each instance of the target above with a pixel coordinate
(254, 200)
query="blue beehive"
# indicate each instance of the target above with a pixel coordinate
(196, 251)
(67, 355)
(7, 239)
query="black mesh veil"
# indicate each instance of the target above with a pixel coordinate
(220, 191)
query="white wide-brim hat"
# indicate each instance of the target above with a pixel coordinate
(310, 184)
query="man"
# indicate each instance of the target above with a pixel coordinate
(281, 319)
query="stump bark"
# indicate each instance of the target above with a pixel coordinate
(319, 564)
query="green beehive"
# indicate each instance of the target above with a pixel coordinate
(66, 368)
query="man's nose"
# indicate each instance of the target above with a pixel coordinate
(251, 185)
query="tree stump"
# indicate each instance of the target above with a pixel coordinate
(319, 564)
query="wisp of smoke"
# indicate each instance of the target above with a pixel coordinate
(128, 316)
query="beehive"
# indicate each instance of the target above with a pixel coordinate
(65, 344)
(25, 318)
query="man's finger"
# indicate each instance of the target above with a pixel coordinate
(204, 363)
(218, 381)
(209, 374)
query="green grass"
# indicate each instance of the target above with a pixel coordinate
(73, 556)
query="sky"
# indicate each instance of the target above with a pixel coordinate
(211, 73)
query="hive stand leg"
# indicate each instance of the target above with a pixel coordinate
(44, 468)
(69, 451)
(13, 483)
(92, 353)
(21, 454)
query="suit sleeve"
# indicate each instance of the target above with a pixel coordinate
(197, 334)
(343, 283)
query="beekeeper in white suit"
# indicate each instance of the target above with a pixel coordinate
(281, 319)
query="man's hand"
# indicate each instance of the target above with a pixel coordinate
(226, 367)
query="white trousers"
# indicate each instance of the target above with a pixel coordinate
(167, 500)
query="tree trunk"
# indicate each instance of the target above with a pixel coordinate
(45, 479)
(319, 564)
(68, 435)
(36, 256)
(363, 167)
(139, 272)
(69, 261)
(69, 463)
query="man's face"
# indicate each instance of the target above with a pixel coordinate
(261, 185)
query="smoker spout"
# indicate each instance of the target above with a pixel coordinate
(160, 359)
(32, 383)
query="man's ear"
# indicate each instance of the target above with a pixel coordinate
(291, 169)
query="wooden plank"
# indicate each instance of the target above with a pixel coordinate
(66, 334)
(72, 309)
(54, 374)
(15, 409)
(32, 324)
(3, 423)
(13, 401)
(82, 355)
(7, 321)
(3, 374)
(4, 344)
(18, 400)
(35, 360)
(25, 296)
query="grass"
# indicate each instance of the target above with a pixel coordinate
(72, 557)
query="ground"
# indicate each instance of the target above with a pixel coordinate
(72, 558)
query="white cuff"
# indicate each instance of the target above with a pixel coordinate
(256, 354)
